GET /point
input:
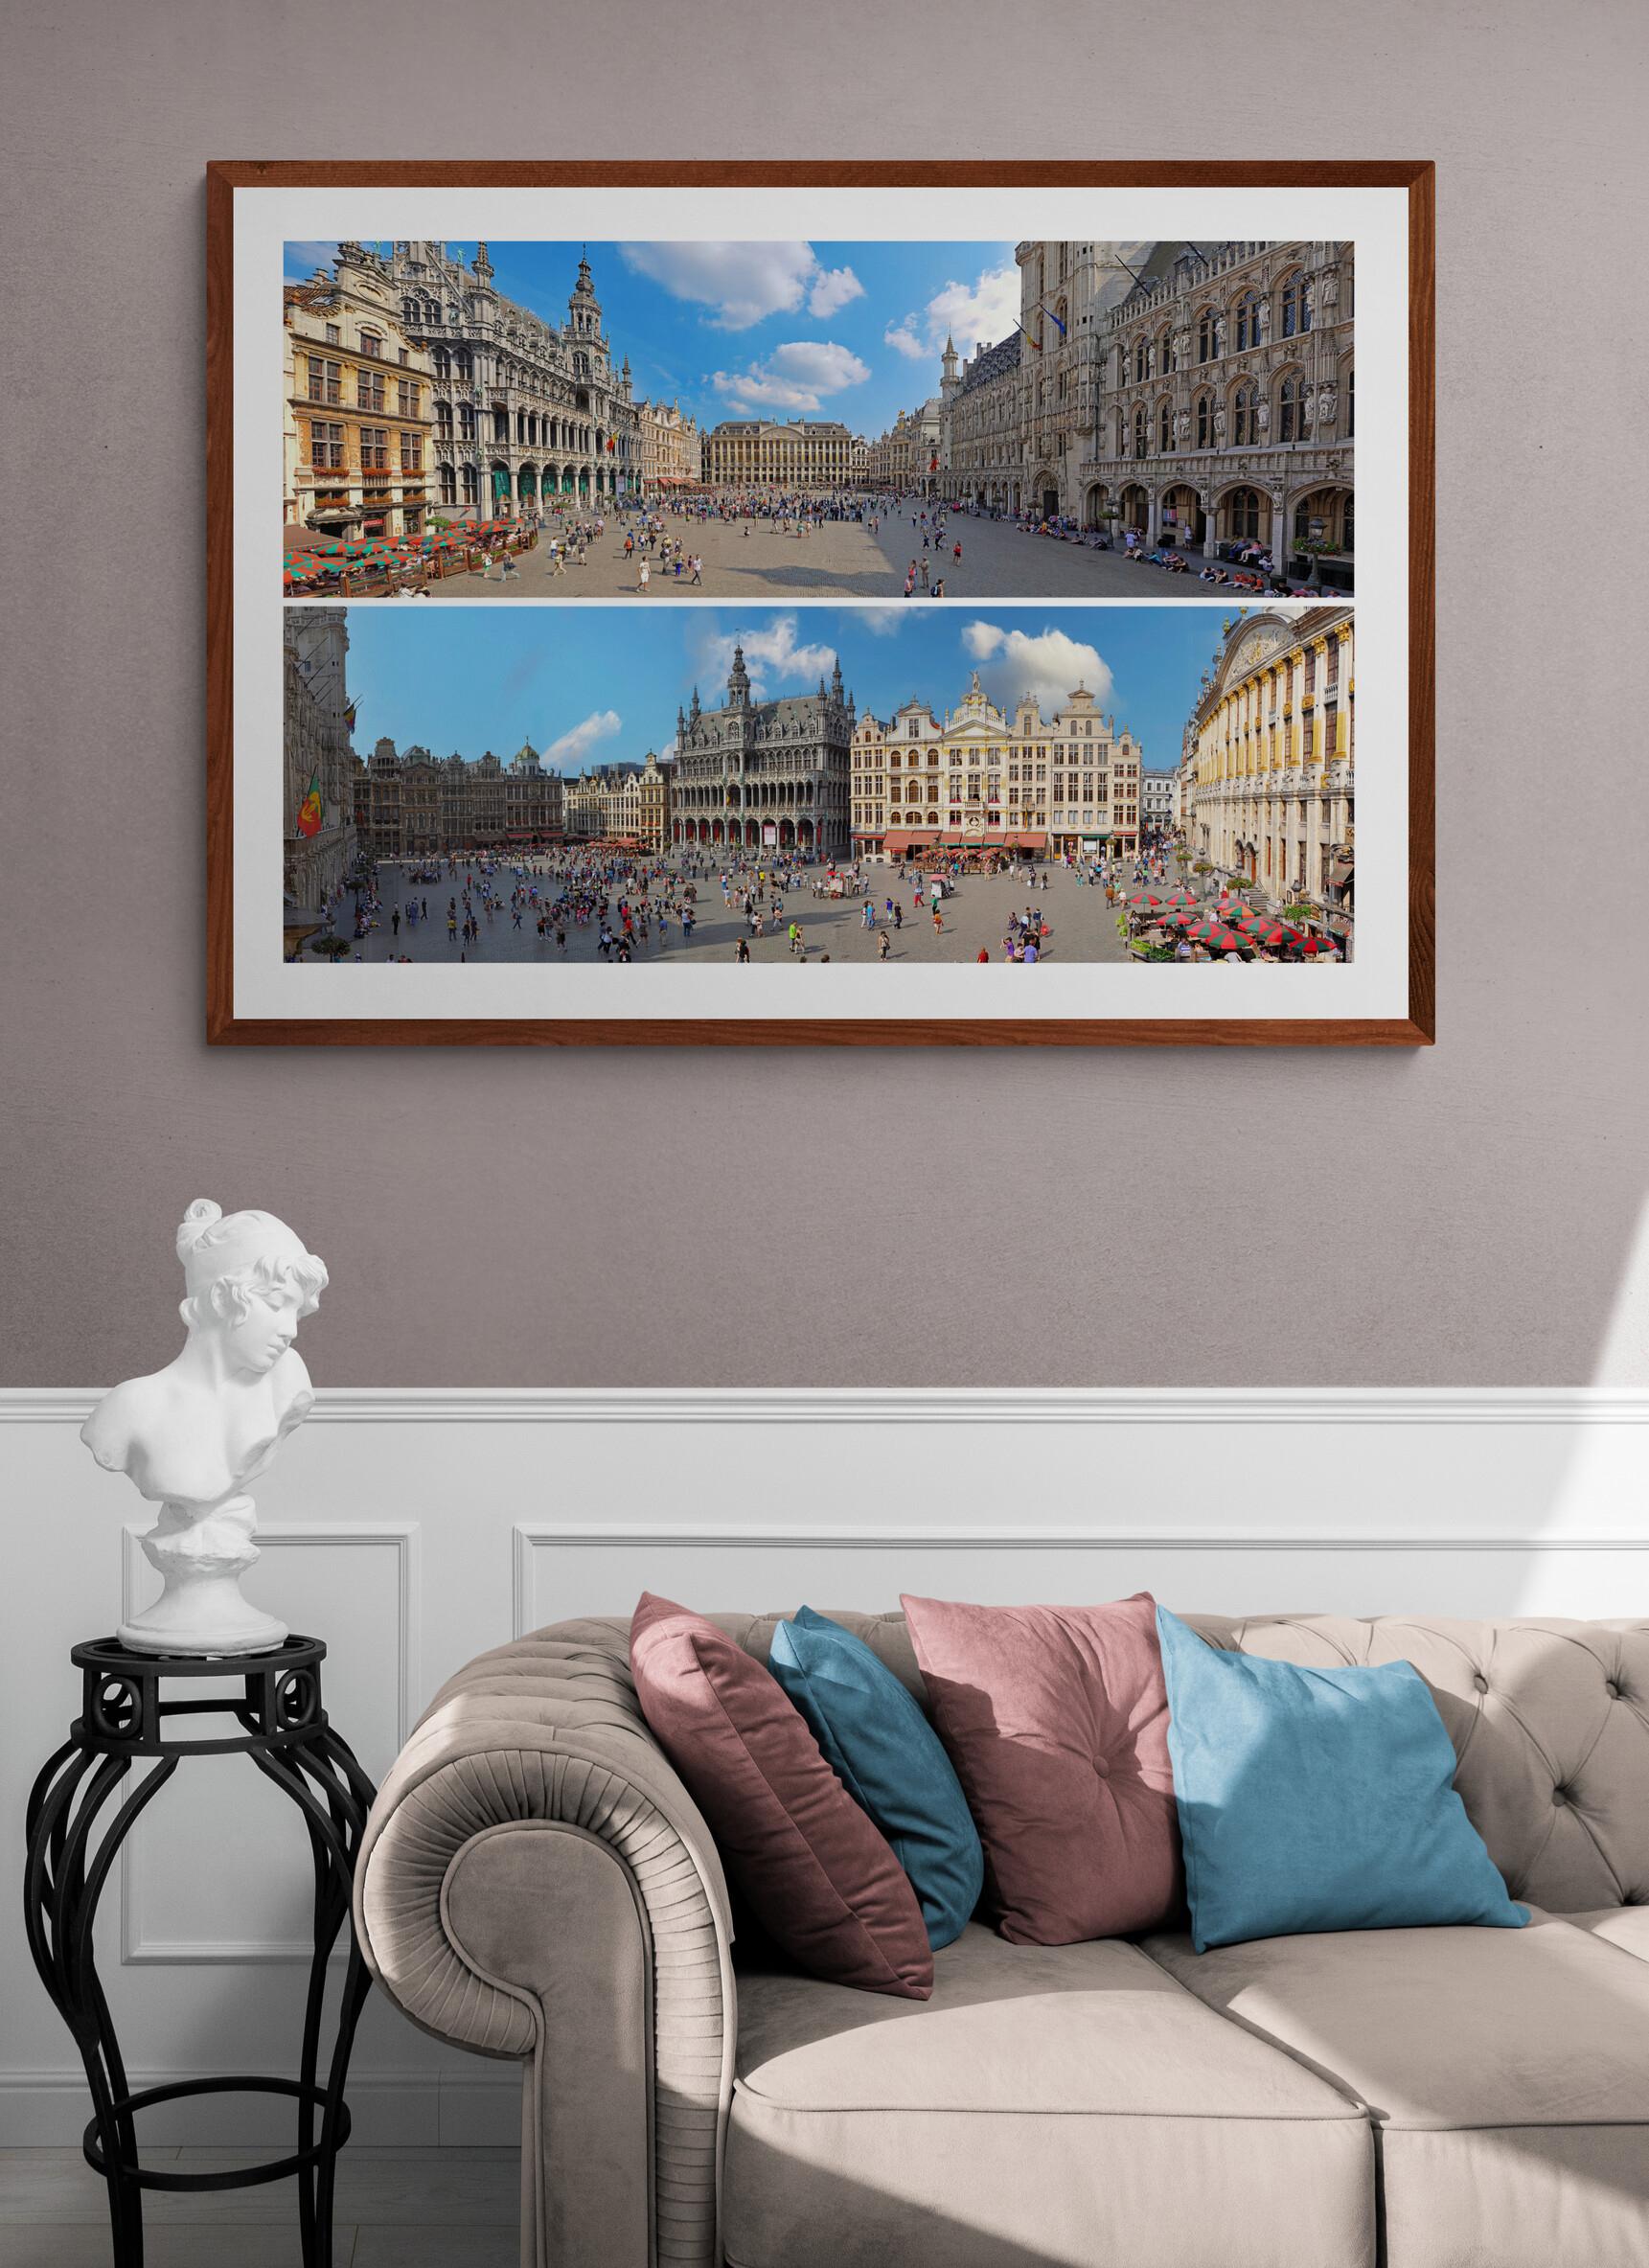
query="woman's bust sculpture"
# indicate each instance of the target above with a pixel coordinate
(191, 1436)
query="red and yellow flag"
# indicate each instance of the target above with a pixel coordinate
(309, 812)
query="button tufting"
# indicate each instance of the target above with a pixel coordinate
(1560, 1796)
(1102, 1767)
(1481, 1682)
(1612, 1688)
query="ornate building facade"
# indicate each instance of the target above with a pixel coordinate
(672, 447)
(359, 408)
(765, 774)
(419, 805)
(1226, 405)
(315, 747)
(526, 409)
(1269, 757)
(985, 447)
(621, 802)
(978, 778)
(801, 453)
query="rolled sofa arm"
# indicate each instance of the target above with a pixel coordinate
(536, 1882)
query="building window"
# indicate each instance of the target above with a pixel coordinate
(406, 397)
(463, 365)
(369, 389)
(443, 420)
(372, 342)
(1205, 421)
(1243, 428)
(1291, 409)
(1139, 433)
(1247, 322)
(1243, 511)
(1297, 305)
(334, 337)
(467, 421)
(1350, 404)
(326, 445)
(326, 380)
(412, 452)
(1207, 335)
(375, 448)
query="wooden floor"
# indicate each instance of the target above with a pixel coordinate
(396, 2208)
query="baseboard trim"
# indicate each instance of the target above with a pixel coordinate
(947, 1405)
(455, 2110)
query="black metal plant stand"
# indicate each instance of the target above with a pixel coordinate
(284, 1730)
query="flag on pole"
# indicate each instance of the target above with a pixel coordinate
(1052, 317)
(310, 813)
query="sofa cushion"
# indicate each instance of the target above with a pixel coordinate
(819, 1878)
(1055, 1719)
(1625, 1926)
(1507, 2070)
(1318, 1799)
(1050, 2104)
(890, 1760)
(1550, 1725)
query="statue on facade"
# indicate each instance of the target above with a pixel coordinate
(1264, 321)
(1328, 289)
(1219, 426)
(1327, 405)
(1261, 416)
(1182, 428)
(190, 1436)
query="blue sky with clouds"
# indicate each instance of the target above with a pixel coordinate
(772, 329)
(587, 684)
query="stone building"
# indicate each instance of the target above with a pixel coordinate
(985, 445)
(317, 720)
(672, 447)
(765, 774)
(358, 407)
(525, 408)
(979, 778)
(418, 805)
(1226, 405)
(621, 801)
(1157, 805)
(1271, 755)
(800, 453)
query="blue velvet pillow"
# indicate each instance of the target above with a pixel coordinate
(1318, 1799)
(887, 1756)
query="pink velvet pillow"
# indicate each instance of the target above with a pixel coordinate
(817, 1874)
(1055, 1719)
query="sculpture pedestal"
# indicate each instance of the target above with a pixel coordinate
(201, 1557)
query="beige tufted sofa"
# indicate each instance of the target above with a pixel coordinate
(537, 1883)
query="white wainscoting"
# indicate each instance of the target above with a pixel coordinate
(413, 1530)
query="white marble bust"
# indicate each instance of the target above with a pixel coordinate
(190, 1437)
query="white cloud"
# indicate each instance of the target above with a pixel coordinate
(772, 655)
(987, 309)
(884, 622)
(796, 376)
(1049, 665)
(574, 747)
(833, 288)
(745, 282)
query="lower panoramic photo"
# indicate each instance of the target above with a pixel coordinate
(919, 789)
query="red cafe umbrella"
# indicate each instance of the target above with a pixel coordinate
(1180, 917)
(1314, 946)
(1147, 902)
(1273, 935)
(1219, 937)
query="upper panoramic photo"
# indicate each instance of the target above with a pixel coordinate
(771, 419)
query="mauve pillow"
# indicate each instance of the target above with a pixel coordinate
(817, 1875)
(1055, 1719)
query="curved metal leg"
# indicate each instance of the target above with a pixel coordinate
(61, 1888)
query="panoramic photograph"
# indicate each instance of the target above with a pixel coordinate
(874, 783)
(756, 421)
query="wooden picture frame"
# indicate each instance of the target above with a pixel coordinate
(229, 1022)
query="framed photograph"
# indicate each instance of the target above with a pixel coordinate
(951, 579)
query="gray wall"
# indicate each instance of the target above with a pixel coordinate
(1459, 1216)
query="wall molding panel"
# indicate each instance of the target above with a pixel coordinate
(415, 1530)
